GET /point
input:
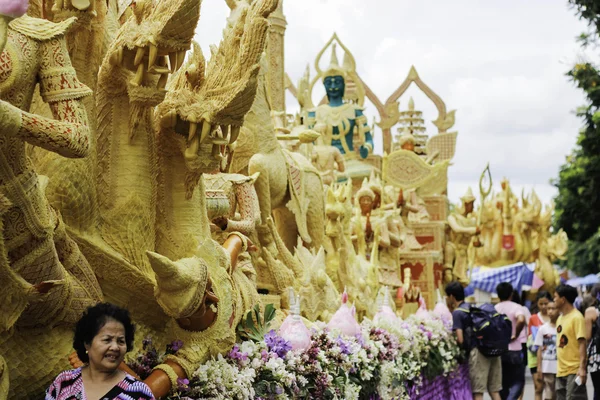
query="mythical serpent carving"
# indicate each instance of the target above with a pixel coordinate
(148, 47)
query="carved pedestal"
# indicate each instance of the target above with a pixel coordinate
(437, 207)
(389, 277)
(427, 269)
(431, 235)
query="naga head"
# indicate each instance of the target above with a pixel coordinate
(153, 42)
(183, 288)
(149, 47)
(205, 106)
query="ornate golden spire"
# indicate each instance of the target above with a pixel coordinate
(334, 68)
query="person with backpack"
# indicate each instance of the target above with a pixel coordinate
(513, 364)
(485, 372)
(545, 341)
(571, 375)
(592, 335)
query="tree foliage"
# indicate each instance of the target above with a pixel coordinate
(578, 200)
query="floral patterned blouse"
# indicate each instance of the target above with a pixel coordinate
(69, 386)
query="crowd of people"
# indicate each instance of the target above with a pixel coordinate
(559, 343)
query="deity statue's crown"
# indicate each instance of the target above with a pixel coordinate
(334, 68)
(468, 197)
(365, 191)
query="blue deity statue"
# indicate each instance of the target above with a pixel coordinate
(337, 120)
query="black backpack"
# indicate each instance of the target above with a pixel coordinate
(490, 331)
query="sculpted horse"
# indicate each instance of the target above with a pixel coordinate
(288, 184)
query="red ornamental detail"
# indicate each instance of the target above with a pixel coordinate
(508, 242)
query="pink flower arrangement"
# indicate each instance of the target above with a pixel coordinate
(13, 8)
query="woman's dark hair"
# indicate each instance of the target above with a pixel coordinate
(93, 319)
(542, 294)
(595, 292)
(504, 291)
(568, 292)
(455, 289)
(516, 297)
(588, 301)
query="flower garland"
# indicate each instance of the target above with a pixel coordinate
(387, 361)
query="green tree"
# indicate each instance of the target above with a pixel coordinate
(578, 183)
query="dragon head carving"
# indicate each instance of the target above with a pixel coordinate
(154, 41)
(205, 105)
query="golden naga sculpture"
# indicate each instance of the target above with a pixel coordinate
(197, 298)
(549, 249)
(513, 231)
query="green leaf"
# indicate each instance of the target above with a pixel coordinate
(269, 314)
(257, 313)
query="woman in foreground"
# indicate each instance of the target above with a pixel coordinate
(103, 336)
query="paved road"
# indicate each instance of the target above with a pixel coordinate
(529, 391)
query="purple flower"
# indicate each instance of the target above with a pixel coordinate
(344, 347)
(183, 385)
(236, 354)
(360, 340)
(175, 346)
(277, 344)
(147, 342)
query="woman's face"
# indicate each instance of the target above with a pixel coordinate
(543, 305)
(108, 347)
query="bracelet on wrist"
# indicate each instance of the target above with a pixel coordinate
(243, 239)
(167, 369)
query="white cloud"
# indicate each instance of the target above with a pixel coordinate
(502, 65)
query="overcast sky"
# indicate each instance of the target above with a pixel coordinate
(500, 64)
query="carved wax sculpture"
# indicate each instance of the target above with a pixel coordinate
(337, 121)
(550, 248)
(463, 228)
(345, 267)
(72, 185)
(286, 183)
(365, 225)
(34, 241)
(193, 300)
(190, 146)
(388, 256)
(329, 161)
(513, 231)
(412, 293)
